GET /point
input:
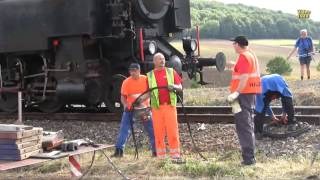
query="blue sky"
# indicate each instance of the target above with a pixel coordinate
(288, 6)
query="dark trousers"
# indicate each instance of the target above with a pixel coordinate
(287, 107)
(125, 129)
(245, 126)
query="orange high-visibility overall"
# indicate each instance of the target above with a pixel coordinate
(164, 118)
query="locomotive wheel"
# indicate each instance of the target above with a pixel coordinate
(9, 102)
(113, 96)
(50, 105)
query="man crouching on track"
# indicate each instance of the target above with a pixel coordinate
(274, 87)
(163, 105)
(132, 88)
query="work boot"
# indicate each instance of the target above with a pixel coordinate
(292, 127)
(154, 154)
(248, 162)
(258, 136)
(178, 160)
(248, 156)
(118, 153)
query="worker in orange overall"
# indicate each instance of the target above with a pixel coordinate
(163, 104)
(245, 84)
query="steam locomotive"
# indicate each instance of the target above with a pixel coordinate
(60, 52)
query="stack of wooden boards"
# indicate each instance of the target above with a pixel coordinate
(18, 142)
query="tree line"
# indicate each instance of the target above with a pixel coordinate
(221, 21)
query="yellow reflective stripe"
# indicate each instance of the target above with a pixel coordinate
(174, 150)
(161, 150)
(175, 155)
(255, 74)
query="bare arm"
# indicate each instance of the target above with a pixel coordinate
(243, 79)
(290, 54)
(124, 101)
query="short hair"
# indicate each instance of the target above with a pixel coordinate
(157, 55)
(303, 30)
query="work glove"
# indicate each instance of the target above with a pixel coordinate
(172, 88)
(284, 119)
(233, 96)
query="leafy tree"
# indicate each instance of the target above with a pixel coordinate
(232, 20)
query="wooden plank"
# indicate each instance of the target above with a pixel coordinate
(14, 127)
(20, 146)
(20, 134)
(7, 165)
(22, 140)
(20, 151)
(18, 157)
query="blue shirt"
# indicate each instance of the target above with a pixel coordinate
(304, 46)
(272, 82)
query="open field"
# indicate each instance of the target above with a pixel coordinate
(264, 49)
(279, 42)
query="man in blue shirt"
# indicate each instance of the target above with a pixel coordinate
(305, 51)
(273, 87)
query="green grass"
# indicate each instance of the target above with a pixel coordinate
(219, 166)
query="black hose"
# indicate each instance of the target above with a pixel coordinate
(136, 155)
(91, 164)
(302, 128)
(185, 117)
(189, 128)
(115, 167)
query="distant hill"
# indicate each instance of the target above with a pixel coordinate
(220, 21)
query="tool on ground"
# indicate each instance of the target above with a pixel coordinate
(52, 140)
(75, 144)
(279, 131)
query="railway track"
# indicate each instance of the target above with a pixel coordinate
(195, 114)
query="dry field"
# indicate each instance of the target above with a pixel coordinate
(305, 92)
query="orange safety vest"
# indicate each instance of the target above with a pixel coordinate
(254, 82)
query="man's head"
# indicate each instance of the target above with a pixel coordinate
(240, 43)
(134, 70)
(303, 33)
(159, 61)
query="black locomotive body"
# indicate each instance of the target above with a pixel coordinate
(60, 52)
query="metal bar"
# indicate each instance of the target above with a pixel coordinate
(9, 90)
(59, 70)
(34, 75)
(19, 107)
(1, 82)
